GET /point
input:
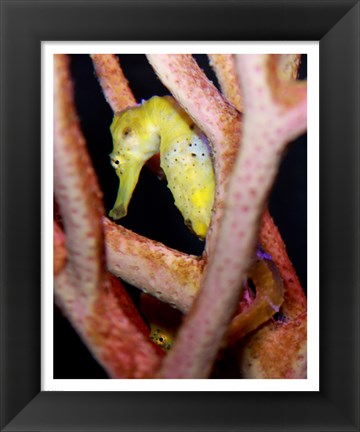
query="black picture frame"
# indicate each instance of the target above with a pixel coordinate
(24, 24)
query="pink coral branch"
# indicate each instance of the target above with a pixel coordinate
(219, 120)
(285, 342)
(225, 70)
(266, 131)
(167, 274)
(95, 303)
(73, 173)
(113, 82)
(277, 350)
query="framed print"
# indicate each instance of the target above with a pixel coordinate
(163, 229)
(26, 403)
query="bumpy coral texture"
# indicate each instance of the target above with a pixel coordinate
(96, 304)
(246, 149)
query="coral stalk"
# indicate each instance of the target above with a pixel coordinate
(282, 339)
(225, 70)
(92, 299)
(268, 125)
(278, 349)
(113, 82)
(220, 122)
(167, 274)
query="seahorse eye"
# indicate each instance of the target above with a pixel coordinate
(115, 162)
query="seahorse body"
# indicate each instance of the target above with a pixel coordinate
(160, 124)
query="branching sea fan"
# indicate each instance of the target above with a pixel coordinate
(234, 310)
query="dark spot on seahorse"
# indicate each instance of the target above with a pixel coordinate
(126, 131)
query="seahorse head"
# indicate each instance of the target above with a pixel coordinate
(135, 140)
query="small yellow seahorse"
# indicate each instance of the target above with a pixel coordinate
(160, 124)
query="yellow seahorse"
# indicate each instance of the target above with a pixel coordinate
(160, 124)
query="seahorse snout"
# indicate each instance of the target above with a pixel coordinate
(117, 212)
(128, 176)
